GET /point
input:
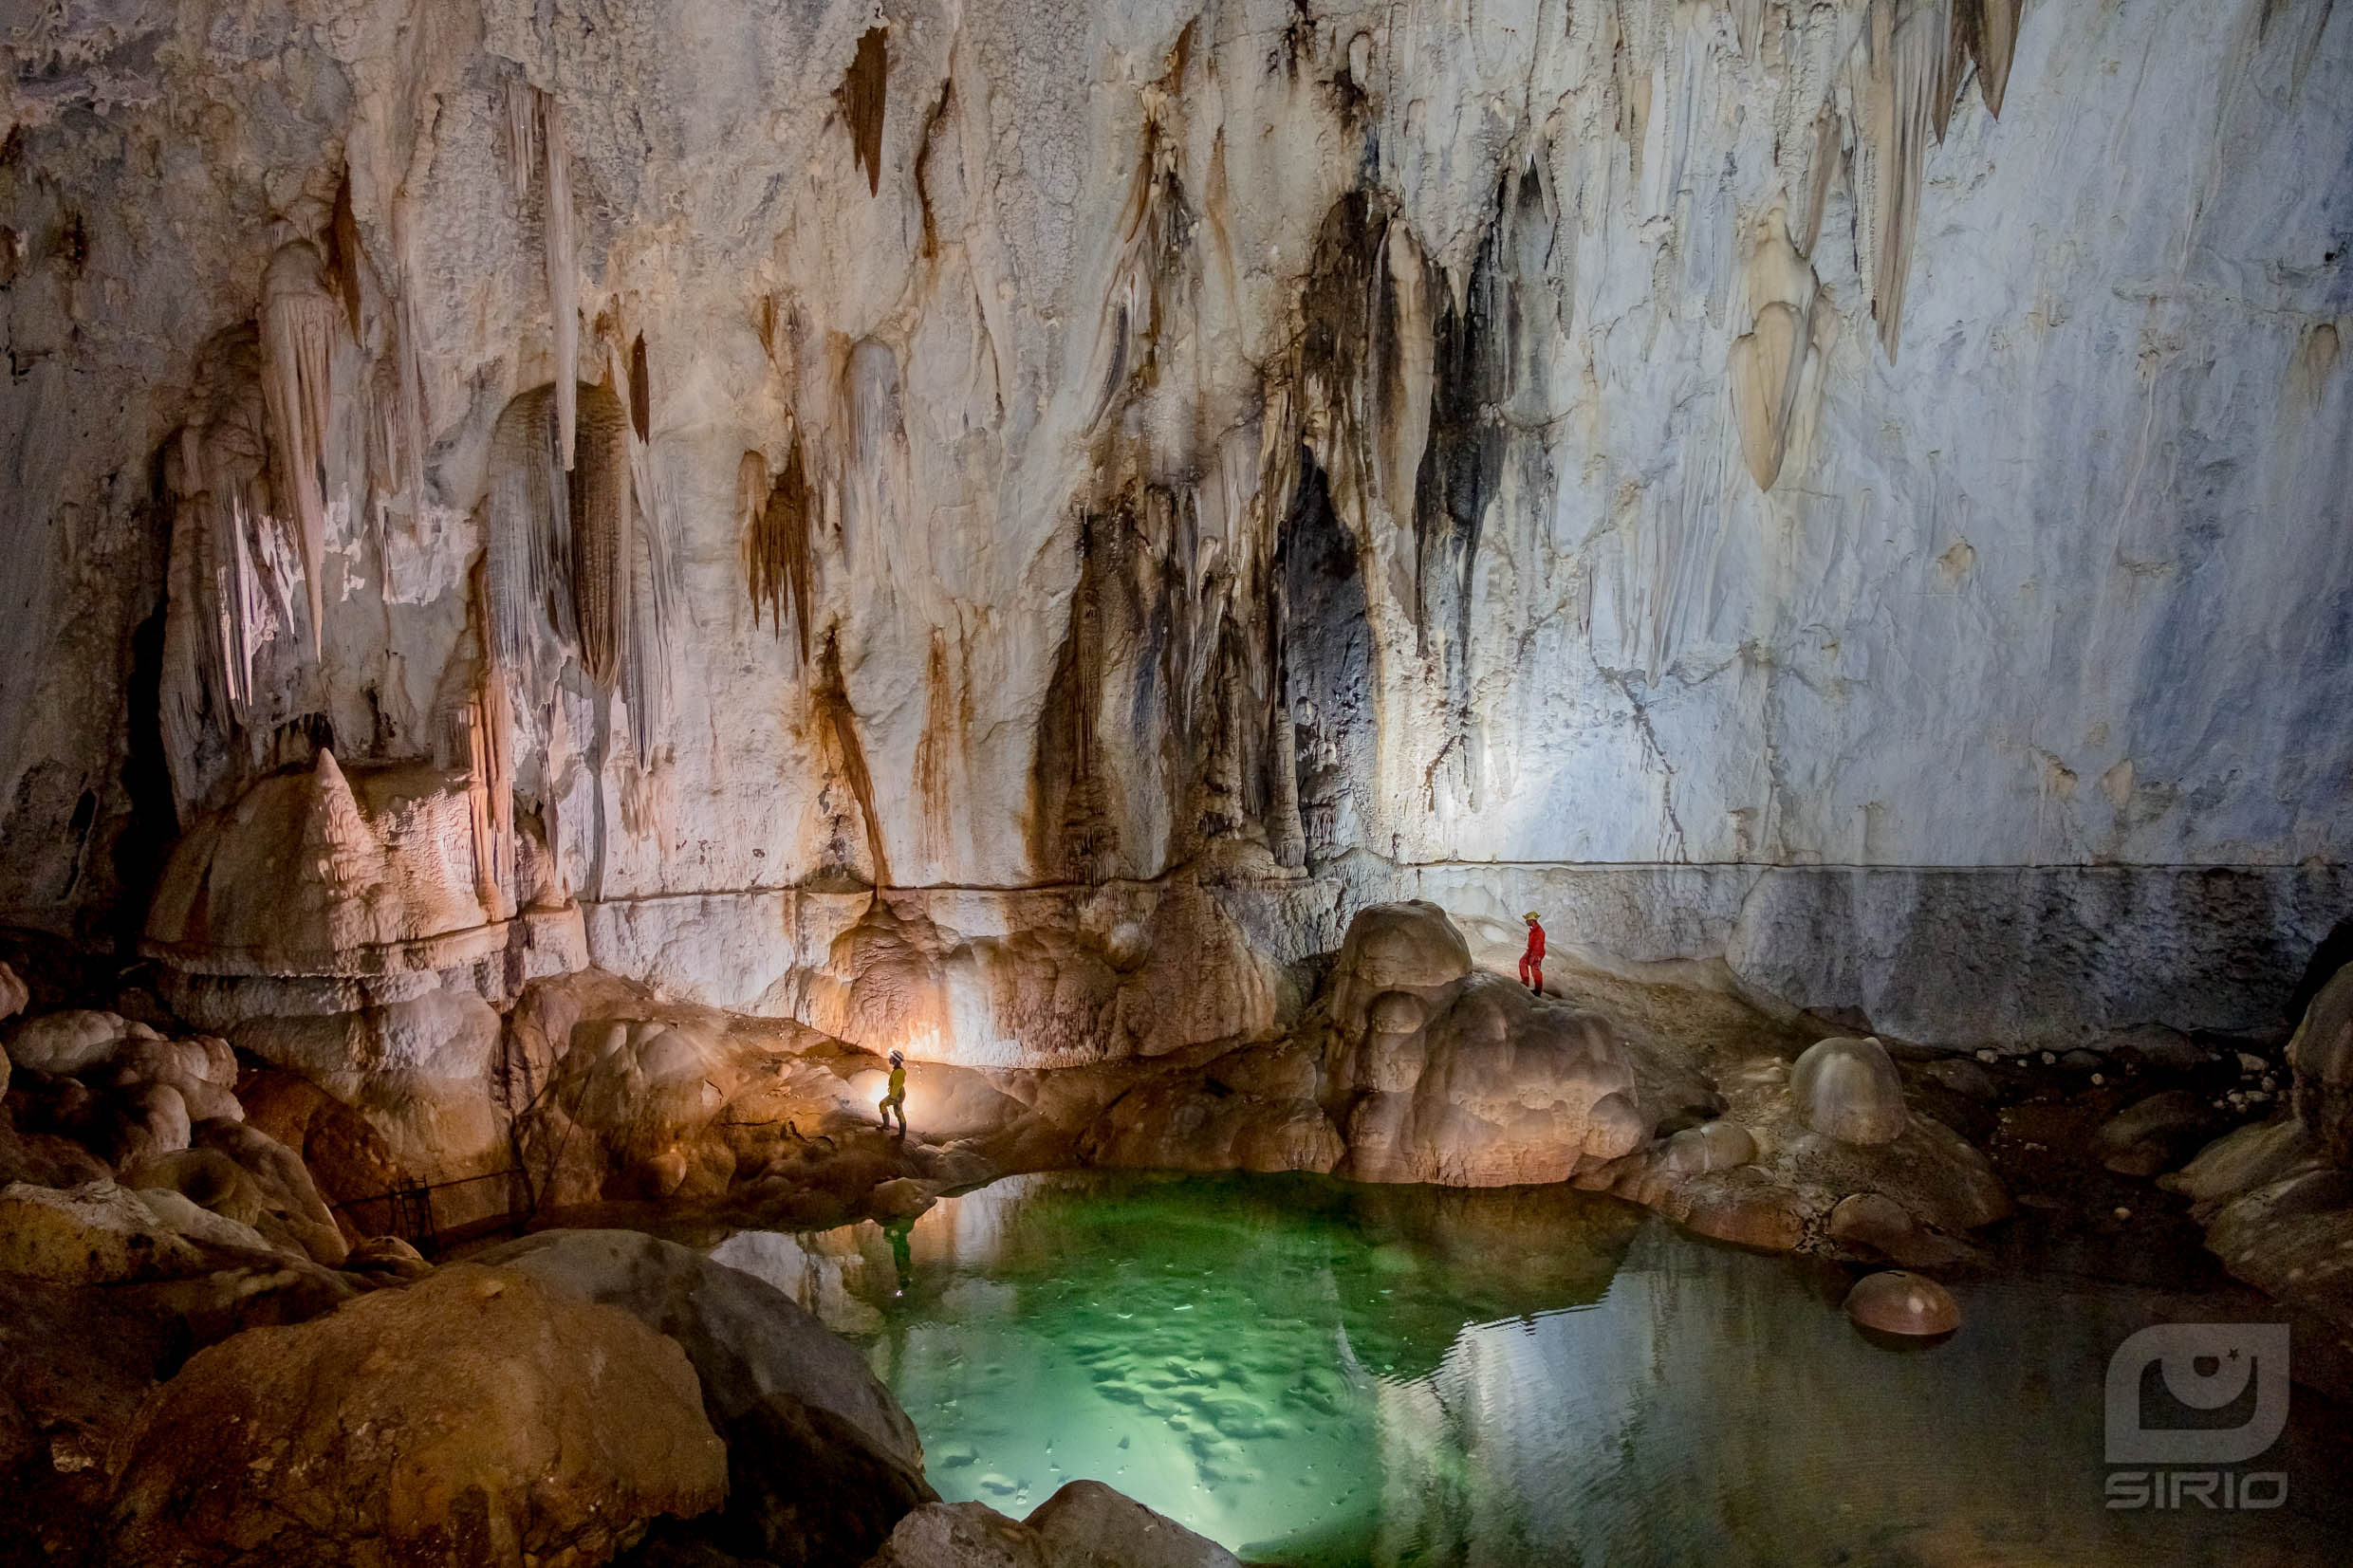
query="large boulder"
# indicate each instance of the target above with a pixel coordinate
(14, 995)
(822, 1462)
(1409, 946)
(1085, 1524)
(479, 1416)
(72, 1040)
(1495, 1089)
(91, 1235)
(2320, 1056)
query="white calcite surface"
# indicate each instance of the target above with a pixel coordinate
(1517, 455)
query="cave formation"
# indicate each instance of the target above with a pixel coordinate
(577, 577)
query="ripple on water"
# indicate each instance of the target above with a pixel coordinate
(1315, 1373)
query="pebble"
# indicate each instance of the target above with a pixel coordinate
(2049, 1060)
(1989, 1056)
(2099, 1079)
(2122, 1212)
(2251, 1064)
(2269, 1082)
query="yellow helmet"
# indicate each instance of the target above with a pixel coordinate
(1531, 915)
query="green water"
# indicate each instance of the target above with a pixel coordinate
(1313, 1372)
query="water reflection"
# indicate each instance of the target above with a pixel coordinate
(1314, 1372)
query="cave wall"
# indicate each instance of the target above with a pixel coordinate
(1080, 440)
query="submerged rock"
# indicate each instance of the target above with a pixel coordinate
(1897, 1301)
(479, 1416)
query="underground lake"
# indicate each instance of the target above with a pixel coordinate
(1312, 1371)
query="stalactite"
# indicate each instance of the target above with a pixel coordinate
(864, 96)
(603, 518)
(1905, 55)
(776, 542)
(489, 725)
(522, 102)
(562, 271)
(528, 547)
(1995, 41)
(640, 390)
(299, 323)
(410, 350)
(344, 231)
(829, 696)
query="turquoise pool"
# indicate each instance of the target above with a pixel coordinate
(1315, 1373)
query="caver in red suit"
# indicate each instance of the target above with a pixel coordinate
(1532, 962)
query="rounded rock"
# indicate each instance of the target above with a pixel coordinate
(1898, 1302)
(1397, 1013)
(1849, 1090)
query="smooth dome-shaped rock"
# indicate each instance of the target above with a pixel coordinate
(68, 1042)
(478, 1416)
(1849, 1090)
(1898, 1302)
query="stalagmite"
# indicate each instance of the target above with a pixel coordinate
(489, 720)
(299, 324)
(864, 96)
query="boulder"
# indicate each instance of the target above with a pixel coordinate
(1085, 1524)
(1410, 949)
(961, 1534)
(70, 1041)
(244, 1174)
(822, 1462)
(1744, 1207)
(1253, 1108)
(1504, 1090)
(1849, 1089)
(388, 1258)
(1962, 1077)
(478, 1416)
(286, 1185)
(350, 1162)
(14, 995)
(201, 1069)
(1876, 1222)
(182, 1216)
(1897, 1301)
(2153, 1134)
(91, 1235)
(2321, 1055)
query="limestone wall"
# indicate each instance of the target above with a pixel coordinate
(1049, 443)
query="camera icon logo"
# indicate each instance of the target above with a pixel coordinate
(2203, 1367)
